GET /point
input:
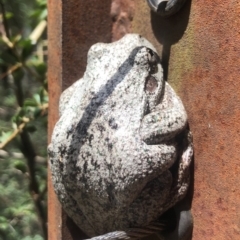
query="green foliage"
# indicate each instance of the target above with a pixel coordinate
(18, 217)
(23, 119)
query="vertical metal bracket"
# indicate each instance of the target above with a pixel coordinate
(166, 8)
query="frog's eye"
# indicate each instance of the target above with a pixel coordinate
(151, 84)
(153, 60)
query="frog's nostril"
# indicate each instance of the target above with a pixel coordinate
(151, 84)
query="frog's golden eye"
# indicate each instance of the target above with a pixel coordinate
(151, 84)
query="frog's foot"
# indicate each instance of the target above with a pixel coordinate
(166, 8)
(184, 164)
(157, 230)
(180, 188)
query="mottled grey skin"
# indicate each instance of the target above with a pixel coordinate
(121, 129)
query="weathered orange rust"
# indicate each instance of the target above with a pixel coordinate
(122, 13)
(211, 72)
(54, 85)
(200, 48)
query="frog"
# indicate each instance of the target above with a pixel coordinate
(121, 150)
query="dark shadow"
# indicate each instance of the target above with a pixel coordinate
(180, 215)
(74, 231)
(178, 219)
(169, 31)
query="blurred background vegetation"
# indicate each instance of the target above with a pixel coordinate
(23, 120)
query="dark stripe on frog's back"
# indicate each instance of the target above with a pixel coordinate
(92, 108)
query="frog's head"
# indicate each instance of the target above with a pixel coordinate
(129, 66)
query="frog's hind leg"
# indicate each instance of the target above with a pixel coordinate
(148, 206)
(180, 188)
(184, 220)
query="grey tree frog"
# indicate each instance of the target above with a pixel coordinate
(121, 150)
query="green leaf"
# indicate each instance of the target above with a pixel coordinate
(5, 135)
(2, 62)
(43, 95)
(22, 112)
(30, 102)
(3, 219)
(45, 85)
(35, 14)
(7, 57)
(27, 48)
(43, 14)
(4, 226)
(9, 15)
(42, 3)
(37, 113)
(20, 165)
(37, 98)
(16, 119)
(18, 76)
(41, 68)
(29, 111)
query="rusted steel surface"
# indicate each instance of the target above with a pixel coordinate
(122, 13)
(83, 24)
(210, 67)
(54, 86)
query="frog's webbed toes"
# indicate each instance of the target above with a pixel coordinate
(188, 153)
(184, 166)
